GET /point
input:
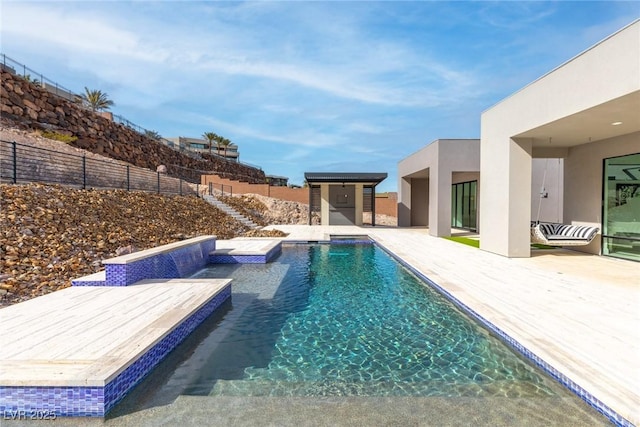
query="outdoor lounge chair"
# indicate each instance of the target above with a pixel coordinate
(553, 234)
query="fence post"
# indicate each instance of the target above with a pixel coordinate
(15, 163)
(128, 179)
(158, 182)
(181, 186)
(211, 189)
(84, 172)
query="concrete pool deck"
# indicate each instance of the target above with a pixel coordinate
(83, 341)
(579, 313)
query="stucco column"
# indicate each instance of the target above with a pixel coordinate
(404, 202)
(440, 201)
(324, 204)
(505, 185)
(359, 202)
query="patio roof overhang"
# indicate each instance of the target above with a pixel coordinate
(344, 177)
(614, 118)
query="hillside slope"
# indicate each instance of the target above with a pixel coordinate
(52, 234)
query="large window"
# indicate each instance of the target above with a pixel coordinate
(464, 205)
(621, 207)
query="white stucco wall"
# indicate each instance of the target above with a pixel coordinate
(547, 174)
(436, 163)
(584, 175)
(608, 71)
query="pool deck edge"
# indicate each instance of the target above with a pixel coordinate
(94, 344)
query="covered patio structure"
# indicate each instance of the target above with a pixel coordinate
(444, 171)
(342, 197)
(587, 112)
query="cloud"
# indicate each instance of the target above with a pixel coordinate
(85, 33)
(143, 51)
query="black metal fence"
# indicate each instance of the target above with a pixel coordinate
(14, 67)
(20, 163)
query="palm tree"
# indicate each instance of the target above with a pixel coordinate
(225, 143)
(211, 136)
(219, 140)
(96, 99)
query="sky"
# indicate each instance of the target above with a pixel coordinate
(306, 86)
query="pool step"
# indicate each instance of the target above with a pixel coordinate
(436, 388)
(230, 211)
(254, 250)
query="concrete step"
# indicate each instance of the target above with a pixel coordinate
(230, 211)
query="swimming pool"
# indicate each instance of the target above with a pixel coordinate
(341, 320)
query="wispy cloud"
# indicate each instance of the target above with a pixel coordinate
(376, 71)
(301, 85)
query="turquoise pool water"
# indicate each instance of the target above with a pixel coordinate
(347, 320)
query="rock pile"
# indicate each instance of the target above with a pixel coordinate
(51, 234)
(268, 210)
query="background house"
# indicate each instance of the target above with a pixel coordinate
(198, 145)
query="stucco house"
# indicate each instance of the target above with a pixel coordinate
(439, 187)
(583, 119)
(586, 112)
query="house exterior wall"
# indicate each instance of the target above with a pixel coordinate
(433, 166)
(416, 200)
(606, 72)
(419, 202)
(547, 173)
(332, 212)
(583, 174)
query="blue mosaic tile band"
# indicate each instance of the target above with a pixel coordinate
(238, 259)
(97, 401)
(154, 267)
(587, 397)
(351, 242)
(247, 259)
(86, 283)
(61, 401)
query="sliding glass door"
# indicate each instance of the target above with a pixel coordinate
(621, 207)
(464, 205)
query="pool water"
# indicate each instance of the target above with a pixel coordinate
(345, 320)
